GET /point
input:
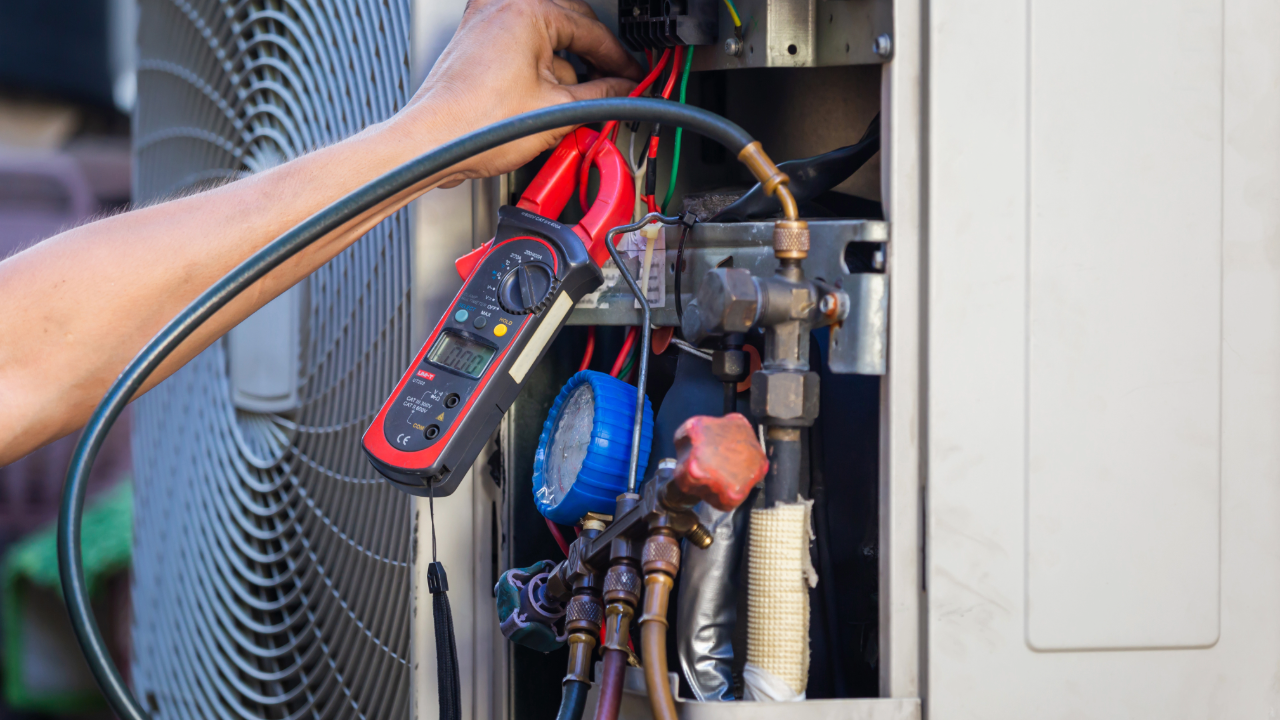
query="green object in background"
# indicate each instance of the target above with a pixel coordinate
(514, 625)
(35, 650)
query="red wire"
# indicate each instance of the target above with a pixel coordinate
(651, 203)
(622, 354)
(611, 126)
(675, 70)
(648, 55)
(555, 532)
(591, 349)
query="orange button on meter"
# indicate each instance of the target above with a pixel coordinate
(499, 329)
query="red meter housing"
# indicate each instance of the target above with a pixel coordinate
(517, 293)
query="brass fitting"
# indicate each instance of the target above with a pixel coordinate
(622, 584)
(700, 536)
(617, 626)
(584, 613)
(772, 180)
(581, 645)
(791, 239)
(661, 554)
(657, 595)
(595, 521)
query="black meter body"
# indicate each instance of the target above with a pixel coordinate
(475, 361)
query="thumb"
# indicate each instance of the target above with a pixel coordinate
(602, 88)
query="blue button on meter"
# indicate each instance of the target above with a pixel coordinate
(585, 449)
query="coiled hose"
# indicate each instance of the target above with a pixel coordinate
(373, 196)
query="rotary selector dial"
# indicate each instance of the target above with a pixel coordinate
(526, 288)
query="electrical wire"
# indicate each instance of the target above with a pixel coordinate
(626, 369)
(624, 353)
(671, 79)
(675, 155)
(373, 196)
(555, 533)
(611, 126)
(733, 13)
(591, 349)
(680, 271)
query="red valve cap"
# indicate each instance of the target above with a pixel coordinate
(720, 459)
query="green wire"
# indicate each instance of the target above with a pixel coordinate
(733, 13)
(675, 162)
(631, 361)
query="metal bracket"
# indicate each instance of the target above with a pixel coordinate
(858, 345)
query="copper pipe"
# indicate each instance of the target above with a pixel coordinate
(653, 644)
(615, 666)
(772, 180)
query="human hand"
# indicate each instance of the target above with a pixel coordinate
(501, 62)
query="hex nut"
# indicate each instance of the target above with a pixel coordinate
(785, 395)
(730, 365)
(727, 301)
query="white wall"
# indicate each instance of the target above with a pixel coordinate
(1103, 359)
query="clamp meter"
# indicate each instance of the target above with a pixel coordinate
(517, 293)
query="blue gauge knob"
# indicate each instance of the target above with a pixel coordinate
(585, 449)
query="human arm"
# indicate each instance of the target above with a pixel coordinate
(79, 306)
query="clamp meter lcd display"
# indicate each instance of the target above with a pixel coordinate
(473, 365)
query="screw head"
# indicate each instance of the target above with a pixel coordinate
(733, 47)
(883, 46)
(827, 305)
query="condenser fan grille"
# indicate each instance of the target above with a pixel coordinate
(272, 572)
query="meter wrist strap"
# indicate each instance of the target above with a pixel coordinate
(448, 685)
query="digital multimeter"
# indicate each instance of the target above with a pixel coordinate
(517, 292)
(472, 367)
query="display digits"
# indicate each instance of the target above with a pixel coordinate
(458, 353)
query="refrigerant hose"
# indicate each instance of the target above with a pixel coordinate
(573, 700)
(355, 204)
(612, 675)
(653, 644)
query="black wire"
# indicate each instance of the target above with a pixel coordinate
(573, 700)
(651, 171)
(70, 560)
(679, 271)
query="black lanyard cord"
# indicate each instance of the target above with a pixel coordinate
(448, 684)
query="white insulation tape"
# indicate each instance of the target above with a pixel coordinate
(779, 576)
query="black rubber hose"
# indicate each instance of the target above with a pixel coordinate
(572, 700)
(70, 562)
(808, 178)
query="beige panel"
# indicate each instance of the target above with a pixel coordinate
(1125, 305)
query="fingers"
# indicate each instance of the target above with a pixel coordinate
(563, 70)
(583, 35)
(577, 6)
(602, 88)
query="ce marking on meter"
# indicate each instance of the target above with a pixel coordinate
(402, 439)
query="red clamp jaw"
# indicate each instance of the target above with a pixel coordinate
(554, 185)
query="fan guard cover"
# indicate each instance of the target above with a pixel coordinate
(272, 573)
